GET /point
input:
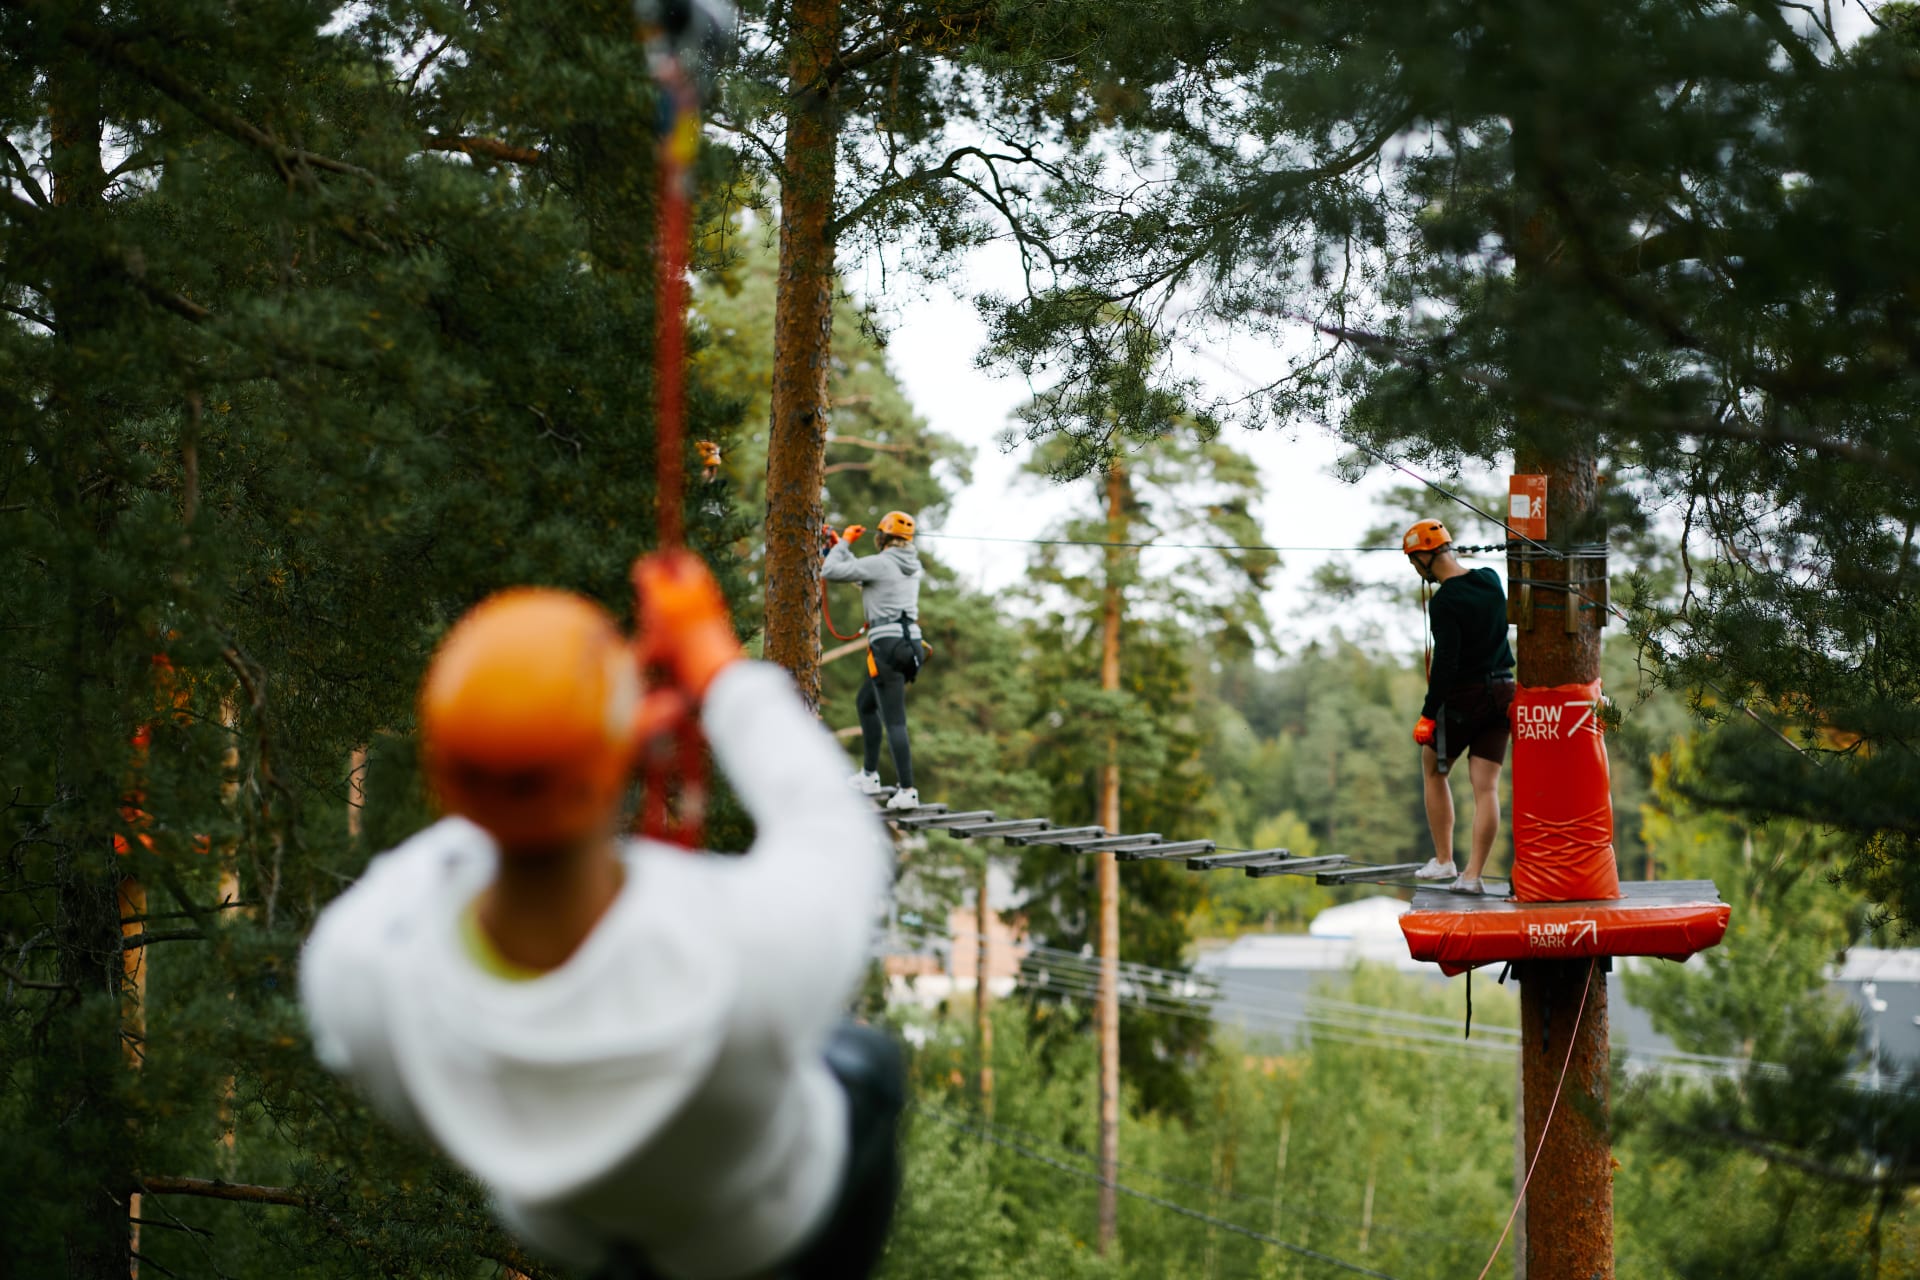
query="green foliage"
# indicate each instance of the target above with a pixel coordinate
(288, 393)
(1358, 1151)
(1660, 237)
(1798, 1160)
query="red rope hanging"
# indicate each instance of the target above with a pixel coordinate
(826, 613)
(675, 763)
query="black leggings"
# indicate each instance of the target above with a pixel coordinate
(883, 702)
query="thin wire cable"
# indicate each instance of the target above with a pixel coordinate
(1158, 1201)
(1174, 546)
(1698, 1065)
(1547, 1127)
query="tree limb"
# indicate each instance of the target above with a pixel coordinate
(107, 45)
(1381, 347)
(24, 174)
(32, 984)
(844, 651)
(25, 313)
(219, 1189)
(875, 445)
(835, 468)
(134, 941)
(490, 148)
(1769, 1150)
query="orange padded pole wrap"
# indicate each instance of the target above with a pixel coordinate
(1562, 805)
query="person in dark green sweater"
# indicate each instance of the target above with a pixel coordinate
(1469, 688)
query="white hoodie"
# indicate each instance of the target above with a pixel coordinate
(665, 1085)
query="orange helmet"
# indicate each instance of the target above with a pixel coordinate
(1425, 535)
(897, 524)
(527, 715)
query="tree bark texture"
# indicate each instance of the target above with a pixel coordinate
(802, 351)
(1108, 873)
(982, 994)
(1569, 1209)
(88, 933)
(1569, 1203)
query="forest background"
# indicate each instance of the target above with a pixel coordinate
(322, 325)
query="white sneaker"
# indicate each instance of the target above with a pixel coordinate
(1467, 884)
(867, 784)
(1436, 870)
(905, 798)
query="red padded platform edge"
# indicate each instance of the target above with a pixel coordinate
(1670, 919)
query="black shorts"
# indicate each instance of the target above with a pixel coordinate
(1474, 717)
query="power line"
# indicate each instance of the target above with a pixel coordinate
(1170, 546)
(1178, 546)
(1157, 1201)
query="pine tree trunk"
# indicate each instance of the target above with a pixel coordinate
(88, 1085)
(1563, 1004)
(1108, 875)
(802, 350)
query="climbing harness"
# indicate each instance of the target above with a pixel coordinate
(674, 762)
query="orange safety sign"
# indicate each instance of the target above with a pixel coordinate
(1527, 506)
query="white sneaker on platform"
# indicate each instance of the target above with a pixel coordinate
(905, 798)
(1467, 884)
(867, 784)
(1436, 870)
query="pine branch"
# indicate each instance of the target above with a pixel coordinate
(24, 174)
(835, 468)
(1769, 1150)
(219, 1189)
(134, 942)
(876, 445)
(25, 313)
(32, 984)
(491, 148)
(1384, 348)
(105, 45)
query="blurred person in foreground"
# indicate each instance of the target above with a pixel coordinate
(639, 1050)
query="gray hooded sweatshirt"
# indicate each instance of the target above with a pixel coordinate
(889, 585)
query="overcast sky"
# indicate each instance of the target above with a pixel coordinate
(933, 337)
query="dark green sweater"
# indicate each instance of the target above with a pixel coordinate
(1469, 619)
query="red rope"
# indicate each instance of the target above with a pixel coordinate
(674, 764)
(826, 612)
(670, 324)
(1552, 1107)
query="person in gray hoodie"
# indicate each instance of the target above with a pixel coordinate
(890, 594)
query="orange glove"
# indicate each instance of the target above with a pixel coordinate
(852, 532)
(1423, 731)
(828, 538)
(709, 452)
(684, 625)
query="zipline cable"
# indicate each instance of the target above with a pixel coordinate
(1174, 546)
(1161, 1202)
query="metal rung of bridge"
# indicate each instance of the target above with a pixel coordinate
(1199, 855)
